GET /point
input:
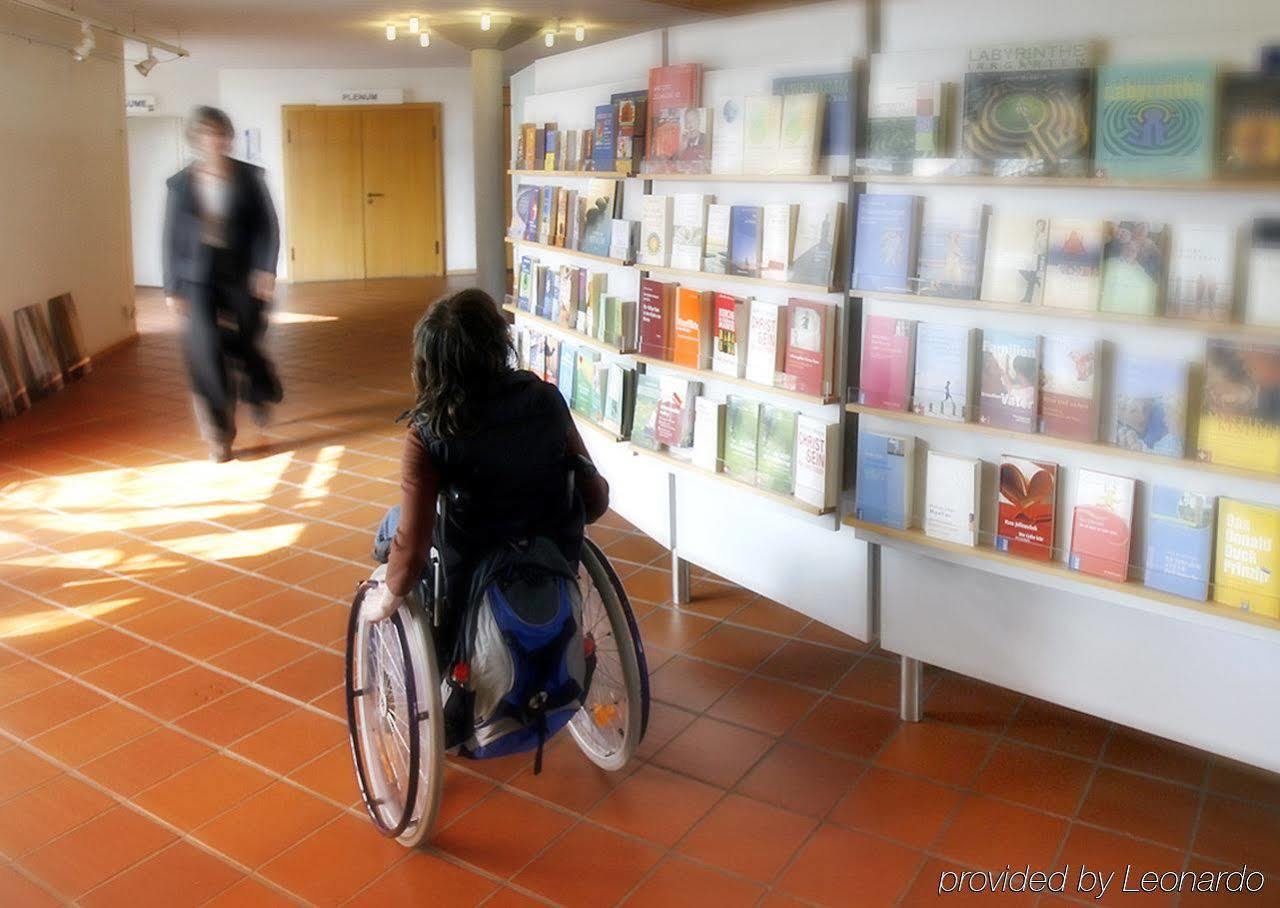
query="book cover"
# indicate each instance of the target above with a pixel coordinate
(1133, 267)
(567, 297)
(766, 344)
(745, 237)
(1069, 387)
(1016, 255)
(1179, 535)
(549, 295)
(1202, 264)
(538, 354)
(715, 258)
(528, 145)
(568, 371)
(952, 490)
(597, 222)
(810, 354)
(1010, 381)
(1240, 408)
(524, 212)
(674, 426)
(817, 232)
(801, 133)
(836, 89)
(547, 215)
(655, 319)
(572, 148)
(762, 134)
(1026, 508)
(708, 433)
(1036, 55)
(945, 356)
(619, 400)
(694, 154)
(630, 124)
(644, 421)
(887, 367)
(1263, 306)
(727, 136)
(741, 438)
(776, 460)
(688, 230)
(1102, 525)
(1150, 405)
(626, 325)
(1040, 116)
(585, 383)
(1073, 268)
(777, 240)
(906, 120)
(950, 256)
(623, 239)
(554, 345)
(1246, 571)
(551, 154)
(732, 319)
(655, 231)
(817, 441)
(692, 346)
(1155, 121)
(886, 470)
(539, 149)
(562, 216)
(604, 139)
(884, 257)
(671, 89)
(1249, 146)
(524, 286)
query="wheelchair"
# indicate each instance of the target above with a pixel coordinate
(394, 680)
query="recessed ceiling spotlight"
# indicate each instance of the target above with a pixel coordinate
(486, 22)
(424, 39)
(580, 33)
(414, 25)
(550, 38)
(391, 32)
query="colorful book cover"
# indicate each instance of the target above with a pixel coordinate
(630, 119)
(950, 257)
(817, 441)
(732, 317)
(563, 207)
(886, 468)
(1010, 381)
(776, 460)
(727, 136)
(1039, 116)
(538, 354)
(597, 222)
(715, 257)
(1017, 252)
(604, 139)
(550, 300)
(568, 371)
(952, 493)
(810, 354)
(551, 156)
(1073, 269)
(1102, 525)
(644, 421)
(887, 367)
(692, 346)
(1246, 572)
(694, 154)
(655, 231)
(906, 120)
(1240, 410)
(1155, 121)
(584, 382)
(674, 426)
(778, 237)
(801, 133)
(1035, 55)
(671, 89)
(1027, 508)
(944, 366)
(524, 212)
(884, 258)
(1263, 303)
(1150, 405)
(688, 230)
(1202, 264)
(524, 286)
(1179, 534)
(741, 438)
(1133, 267)
(1249, 144)
(528, 146)
(836, 89)
(766, 343)
(762, 134)
(817, 231)
(1069, 387)
(655, 319)
(547, 215)
(745, 237)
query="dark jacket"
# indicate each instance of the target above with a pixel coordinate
(252, 231)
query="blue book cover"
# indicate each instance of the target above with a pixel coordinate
(885, 471)
(1156, 121)
(604, 138)
(836, 122)
(884, 251)
(1151, 405)
(524, 288)
(1179, 542)
(568, 365)
(744, 240)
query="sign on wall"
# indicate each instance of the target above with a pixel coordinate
(139, 104)
(370, 96)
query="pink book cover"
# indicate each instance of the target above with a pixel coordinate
(1102, 526)
(885, 374)
(807, 345)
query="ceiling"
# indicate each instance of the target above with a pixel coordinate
(351, 33)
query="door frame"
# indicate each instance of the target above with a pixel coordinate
(437, 140)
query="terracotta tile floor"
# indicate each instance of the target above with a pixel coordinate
(170, 712)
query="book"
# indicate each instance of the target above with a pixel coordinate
(547, 215)
(1133, 267)
(1016, 255)
(1150, 405)
(817, 232)
(1073, 266)
(745, 238)
(732, 321)
(13, 387)
(621, 317)
(630, 124)
(888, 362)
(1102, 525)
(1026, 508)
(778, 237)
(1249, 109)
(562, 216)
(1202, 264)
(655, 231)
(1155, 121)
(801, 133)
(68, 340)
(950, 255)
(944, 365)
(524, 285)
(952, 491)
(644, 419)
(551, 155)
(528, 146)
(671, 89)
(727, 135)
(568, 370)
(1263, 304)
(708, 433)
(715, 255)
(568, 296)
(817, 441)
(584, 382)
(623, 239)
(810, 355)
(741, 438)
(539, 161)
(674, 427)
(776, 460)
(597, 222)
(688, 230)
(524, 211)
(906, 120)
(41, 373)
(590, 304)
(656, 318)
(1038, 55)
(1010, 381)
(599, 392)
(552, 370)
(604, 139)
(885, 479)
(762, 134)
(1246, 572)
(885, 254)
(1037, 117)
(1179, 537)
(1070, 390)
(538, 354)
(836, 88)
(619, 400)
(569, 157)
(766, 344)
(1240, 406)
(692, 328)
(694, 155)
(549, 298)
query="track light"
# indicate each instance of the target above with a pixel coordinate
(145, 66)
(87, 43)
(414, 25)
(391, 32)
(550, 38)
(424, 39)
(486, 22)
(580, 34)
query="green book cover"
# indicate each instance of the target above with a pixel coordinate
(776, 460)
(644, 421)
(1155, 121)
(612, 321)
(584, 383)
(1133, 267)
(741, 442)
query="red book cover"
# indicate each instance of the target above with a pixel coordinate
(671, 88)
(654, 319)
(1102, 525)
(1028, 499)
(886, 371)
(810, 345)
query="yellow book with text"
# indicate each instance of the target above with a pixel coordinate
(1246, 571)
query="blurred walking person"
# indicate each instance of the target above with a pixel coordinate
(221, 241)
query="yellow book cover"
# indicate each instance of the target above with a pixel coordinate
(1240, 416)
(1245, 572)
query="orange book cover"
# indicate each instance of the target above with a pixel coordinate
(692, 328)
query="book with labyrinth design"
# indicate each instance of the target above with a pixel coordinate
(1155, 121)
(1040, 116)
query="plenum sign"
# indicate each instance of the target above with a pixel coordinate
(369, 96)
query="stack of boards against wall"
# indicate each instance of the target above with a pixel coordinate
(1176, 664)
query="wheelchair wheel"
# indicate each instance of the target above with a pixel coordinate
(394, 718)
(612, 722)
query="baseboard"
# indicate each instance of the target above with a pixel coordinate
(459, 273)
(116, 347)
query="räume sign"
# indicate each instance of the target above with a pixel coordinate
(139, 104)
(370, 96)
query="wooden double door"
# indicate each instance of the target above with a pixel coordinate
(364, 192)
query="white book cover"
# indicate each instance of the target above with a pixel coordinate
(622, 239)
(1263, 307)
(613, 402)
(952, 492)
(801, 132)
(655, 231)
(1202, 264)
(1017, 249)
(778, 240)
(764, 342)
(689, 230)
(813, 253)
(945, 356)
(763, 115)
(817, 444)
(727, 135)
(715, 257)
(708, 433)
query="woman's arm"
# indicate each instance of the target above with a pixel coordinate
(419, 486)
(594, 491)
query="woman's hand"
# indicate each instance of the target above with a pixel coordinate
(379, 604)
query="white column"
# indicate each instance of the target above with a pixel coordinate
(490, 170)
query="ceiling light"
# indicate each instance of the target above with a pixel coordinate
(580, 33)
(413, 25)
(486, 22)
(145, 66)
(87, 42)
(550, 38)
(424, 39)
(391, 32)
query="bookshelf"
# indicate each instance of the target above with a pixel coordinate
(565, 250)
(579, 336)
(573, 174)
(583, 423)
(678, 463)
(713, 376)
(811, 178)
(1033, 182)
(658, 271)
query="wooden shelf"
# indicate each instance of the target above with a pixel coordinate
(1071, 182)
(1217, 329)
(565, 250)
(556, 326)
(744, 177)
(789, 500)
(1053, 441)
(578, 174)
(1060, 571)
(709, 375)
(735, 279)
(584, 423)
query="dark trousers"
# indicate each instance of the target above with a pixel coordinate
(225, 327)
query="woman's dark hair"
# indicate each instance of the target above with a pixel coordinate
(460, 346)
(210, 118)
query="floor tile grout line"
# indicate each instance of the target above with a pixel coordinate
(27, 874)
